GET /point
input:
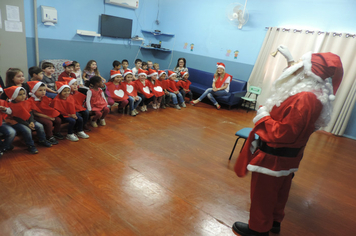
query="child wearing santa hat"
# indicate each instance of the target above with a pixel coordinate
(115, 90)
(79, 100)
(220, 87)
(96, 101)
(130, 88)
(66, 107)
(8, 133)
(47, 116)
(156, 88)
(183, 85)
(144, 89)
(166, 98)
(22, 119)
(173, 90)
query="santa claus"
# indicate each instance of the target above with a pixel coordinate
(300, 105)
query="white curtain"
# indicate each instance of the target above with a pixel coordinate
(268, 68)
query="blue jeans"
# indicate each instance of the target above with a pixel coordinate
(8, 134)
(84, 115)
(27, 132)
(210, 94)
(174, 98)
(51, 95)
(133, 104)
(73, 122)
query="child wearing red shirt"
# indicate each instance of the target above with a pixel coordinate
(184, 84)
(144, 89)
(166, 99)
(156, 88)
(173, 90)
(130, 89)
(115, 90)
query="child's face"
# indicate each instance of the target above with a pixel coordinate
(117, 67)
(21, 96)
(144, 67)
(154, 77)
(138, 64)
(69, 69)
(150, 64)
(65, 93)
(186, 77)
(74, 86)
(142, 77)
(125, 64)
(77, 67)
(220, 70)
(48, 71)
(156, 67)
(118, 79)
(100, 84)
(19, 78)
(129, 78)
(162, 77)
(38, 76)
(173, 77)
(41, 92)
(93, 66)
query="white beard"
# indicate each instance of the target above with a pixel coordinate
(289, 84)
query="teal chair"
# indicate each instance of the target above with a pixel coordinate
(251, 97)
(242, 133)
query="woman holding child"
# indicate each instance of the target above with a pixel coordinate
(220, 87)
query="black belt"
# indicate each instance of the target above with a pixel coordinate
(283, 152)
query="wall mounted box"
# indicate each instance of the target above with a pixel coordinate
(49, 15)
(124, 3)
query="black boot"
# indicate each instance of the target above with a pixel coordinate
(244, 230)
(276, 227)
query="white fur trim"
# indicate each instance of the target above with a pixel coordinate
(260, 116)
(114, 75)
(220, 66)
(266, 171)
(162, 73)
(153, 74)
(331, 97)
(127, 73)
(185, 74)
(16, 92)
(143, 74)
(72, 82)
(172, 75)
(62, 87)
(35, 88)
(1, 90)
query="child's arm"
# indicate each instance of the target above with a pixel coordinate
(85, 76)
(89, 93)
(50, 90)
(42, 115)
(6, 110)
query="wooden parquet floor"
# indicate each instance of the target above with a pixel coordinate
(167, 172)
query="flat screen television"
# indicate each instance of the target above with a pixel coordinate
(116, 27)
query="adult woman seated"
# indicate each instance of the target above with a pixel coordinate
(221, 86)
(181, 66)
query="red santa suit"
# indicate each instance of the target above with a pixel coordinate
(44, 106)
(79, 100)
(130, 88)
(284, 126)
(156, 88)
(171, 86)
(116, 92)
(144, 88)
(184, 84)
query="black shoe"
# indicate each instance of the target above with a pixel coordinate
(58, 135)
(244, 230)
(45, 143)
(276, 228)
(53, 140)
(32, 149)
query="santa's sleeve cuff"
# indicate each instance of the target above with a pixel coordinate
(260, 116)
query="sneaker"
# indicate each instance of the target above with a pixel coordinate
(136, 112)
(32, 149)
(177, 106)
(81, 134)
(183, 105)
(58, 136)
(142, 108)
(133, 113)
(145, 107)
(45, 143)
(102, 122)
(53, 140)
(163, 106)
(154, 106)
(158, 105)
(94, 124)
(72, 137)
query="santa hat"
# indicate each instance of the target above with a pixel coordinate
(61, 85)
(171, 73)
(152, 73)
(34, 85)
(183, 73)
(12, 92)
(69, 80)
(161, 72)
(114, 73)
(220, 65)
(142, 72)
(67, 63)
(127, 72)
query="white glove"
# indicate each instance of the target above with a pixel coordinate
(262, 112)
(285, 52)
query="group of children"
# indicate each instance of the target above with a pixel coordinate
(44, 102)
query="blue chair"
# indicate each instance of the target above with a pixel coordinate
(242, 133)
